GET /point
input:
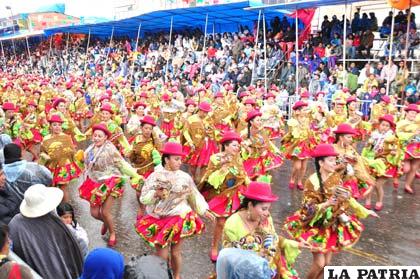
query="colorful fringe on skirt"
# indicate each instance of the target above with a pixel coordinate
(255, 167)
(138, 186)
(65, 174)
(168, 128)
(286, 270)
(201, 157)
(227, 202)
(412, 151)
(29, 139)
(330, 239)
(96, 193)
(300, 151)
(358, 188)
(274, 133)
(168, 230)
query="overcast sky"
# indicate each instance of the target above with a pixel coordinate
(100, 8)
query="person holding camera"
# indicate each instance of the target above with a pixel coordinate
(249, 237)
(328, 220)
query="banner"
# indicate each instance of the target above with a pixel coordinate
(305, 16)
(403, 4)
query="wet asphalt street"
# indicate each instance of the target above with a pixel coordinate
(393, 239)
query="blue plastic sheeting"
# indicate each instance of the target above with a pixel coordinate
(93, 19)
(21, 34)
(224, 18)
(298, 4)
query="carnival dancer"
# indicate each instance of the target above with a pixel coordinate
(80, 110)
(324, 220)
(104, 177)
(354, 118)
(69, 126)
(272, 116)
(199, 135)
(353, 168)
(29, 135)
(117, 134)
(143, 98)
(337, 115)
(408, 132)
(380, 109)
(58, 155)
(191, 107)
(319, 126)
(298, 142)
(259, 152)
(320, 102)
(128, 94)
(384, 157)
(172, 203)
(133, 126)
(169, 111)
(144, 154)
(12, 120)
(249, 234)
(181, 120)
(222, 114)
(222, 183)
(248, 105)
(204, 95)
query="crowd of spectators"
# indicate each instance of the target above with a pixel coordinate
(227, 56)
(233, 56)
(191, 59)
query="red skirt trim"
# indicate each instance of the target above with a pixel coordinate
(168, 230)
(392, 171)
(224, 205)
(325, 239)
(26, 143)
(187, 150)
(65, 174)
(357, 188)
(412, 151)
(138, 187)
(275, 133)
(168, 128)
(201, 157)
(301, 151)
(259, 166)
(96, 193)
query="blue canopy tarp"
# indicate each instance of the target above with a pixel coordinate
(225, 18)
(299, 4)
(22, 34)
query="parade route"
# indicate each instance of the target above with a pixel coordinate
(217, 139)
(386, 241)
